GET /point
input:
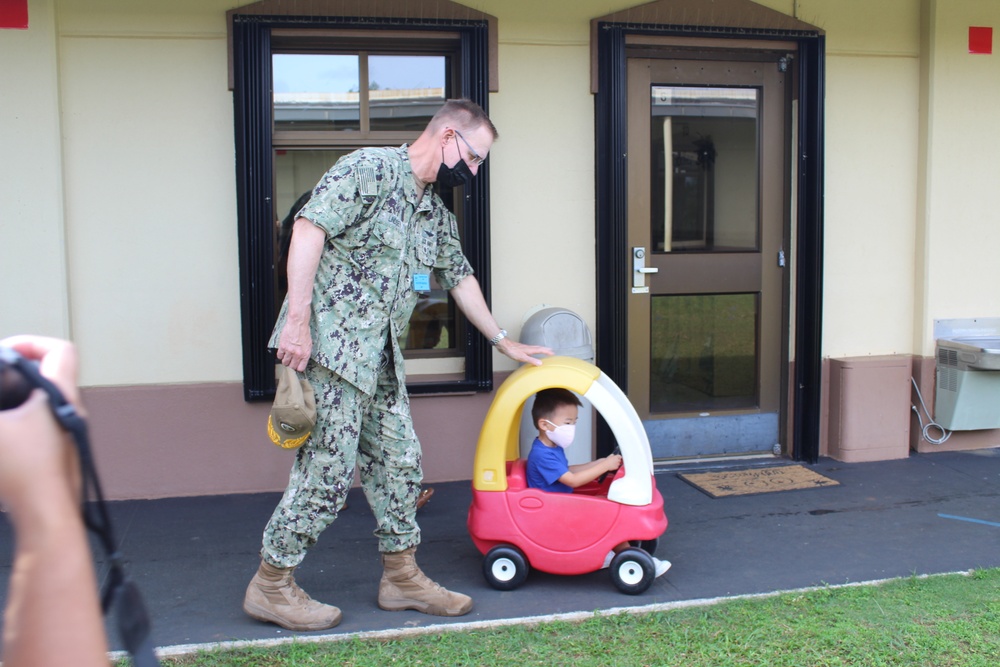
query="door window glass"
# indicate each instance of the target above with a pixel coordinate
(704, 169)
(703, 352)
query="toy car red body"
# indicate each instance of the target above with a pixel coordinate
(518, 528)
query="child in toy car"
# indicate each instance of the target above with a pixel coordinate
(554, 414)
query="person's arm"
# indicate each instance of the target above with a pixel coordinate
(584, 473)
(53, 616)
(295, 344)
(469, 298)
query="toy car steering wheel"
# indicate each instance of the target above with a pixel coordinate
(603, 476)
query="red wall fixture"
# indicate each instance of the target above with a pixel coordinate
(14, 14)
(980, 40)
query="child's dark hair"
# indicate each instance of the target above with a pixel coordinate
(548, 400)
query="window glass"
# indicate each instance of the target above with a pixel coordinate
(316, 91)
(296, 173)
(704, 352)
(405, 91)
(433, 325)
(704, 169)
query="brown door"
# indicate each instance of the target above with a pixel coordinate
(707, 217)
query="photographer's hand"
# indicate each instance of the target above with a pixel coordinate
(53, 616)
(56, 358)
(39, 462)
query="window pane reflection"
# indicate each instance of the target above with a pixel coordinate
(704, 169)
(432, 324)
(405, 91)
(296, 172)
(316, 92)
(703, 352)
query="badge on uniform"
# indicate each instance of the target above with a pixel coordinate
(421, 282)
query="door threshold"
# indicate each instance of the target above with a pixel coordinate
(713, 462)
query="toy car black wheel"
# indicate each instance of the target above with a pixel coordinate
(633, 571)
(505, 568)
(649, 546)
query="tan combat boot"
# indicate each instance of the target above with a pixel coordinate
(274, 597)
(404, 586)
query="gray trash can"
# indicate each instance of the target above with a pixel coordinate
(566, 334)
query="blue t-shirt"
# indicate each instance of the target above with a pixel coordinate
(545, 466)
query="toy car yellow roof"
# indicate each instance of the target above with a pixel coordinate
(498, 440)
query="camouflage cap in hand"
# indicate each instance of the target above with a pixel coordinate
(293, 413)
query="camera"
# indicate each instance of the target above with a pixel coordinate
(14, 386)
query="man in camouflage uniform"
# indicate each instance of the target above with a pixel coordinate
(362, 248)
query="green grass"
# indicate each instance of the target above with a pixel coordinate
(936, 621)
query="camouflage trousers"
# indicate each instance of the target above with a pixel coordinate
(374, 433)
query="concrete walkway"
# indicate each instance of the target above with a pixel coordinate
(930, 513)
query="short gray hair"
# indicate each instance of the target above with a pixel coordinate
(466, 114)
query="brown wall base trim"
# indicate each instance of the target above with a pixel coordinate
(203, 439)
(885, 413)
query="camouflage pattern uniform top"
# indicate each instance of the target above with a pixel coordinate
(379, 234)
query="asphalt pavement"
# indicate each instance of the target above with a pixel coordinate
(929, 513)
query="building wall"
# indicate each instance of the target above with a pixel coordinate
(872, 93)
(960, 202)
(119, 219)
(543, 182)
(33, 282)
(150, 206)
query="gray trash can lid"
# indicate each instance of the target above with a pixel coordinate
(561, 330)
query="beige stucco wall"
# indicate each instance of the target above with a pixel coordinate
(33, 288)
(871, 166)
(150, 207)
(543, 204)
(958, 271)
(872, 94)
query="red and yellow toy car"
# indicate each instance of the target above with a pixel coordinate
(518, 528)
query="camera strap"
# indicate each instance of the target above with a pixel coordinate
(119, 591)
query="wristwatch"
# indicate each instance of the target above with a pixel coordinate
(499, 337)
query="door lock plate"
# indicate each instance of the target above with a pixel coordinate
(639, 271)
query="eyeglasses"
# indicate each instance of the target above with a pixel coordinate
(476, 158)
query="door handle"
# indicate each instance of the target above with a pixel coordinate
(639, 271)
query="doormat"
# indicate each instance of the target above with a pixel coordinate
(756, 480)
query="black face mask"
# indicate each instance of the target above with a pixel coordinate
(453, 177)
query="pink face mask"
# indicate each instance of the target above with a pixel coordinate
(562, 435)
